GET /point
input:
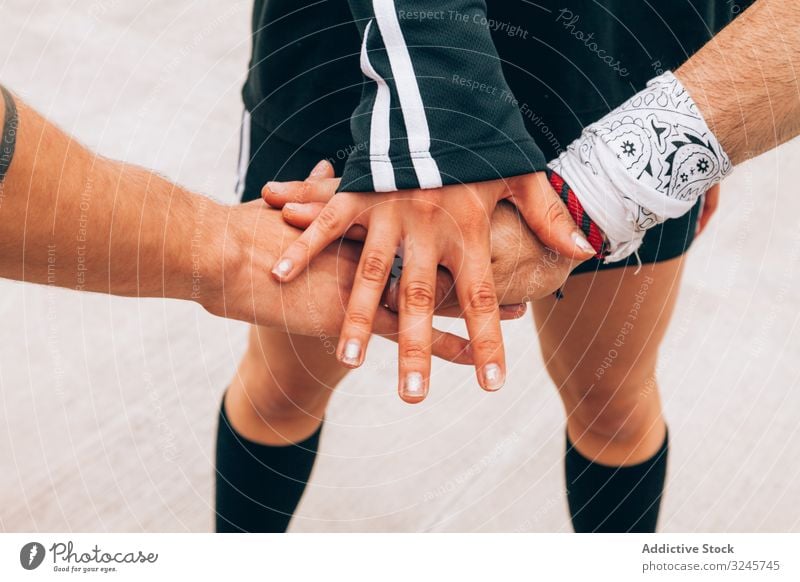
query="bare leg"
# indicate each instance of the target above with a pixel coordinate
(268, 433)
(283, 386)
(600, 345)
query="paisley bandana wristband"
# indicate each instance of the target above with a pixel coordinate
(645, 162)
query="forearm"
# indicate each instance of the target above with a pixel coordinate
(73, 219)
(745, 80)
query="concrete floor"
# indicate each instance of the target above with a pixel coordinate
(108, 405)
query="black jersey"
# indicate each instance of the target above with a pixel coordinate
(421, 94)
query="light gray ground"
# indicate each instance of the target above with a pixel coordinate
(109, 405)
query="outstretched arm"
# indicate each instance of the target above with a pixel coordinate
(73, 219)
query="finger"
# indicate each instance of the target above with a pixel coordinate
(445, 292)
(302, 215)
(478, 298)
(370, 280)
(331, 224)
(446, 346)
(323, 170)
(417, 301)
(276, 194)
(548, 217)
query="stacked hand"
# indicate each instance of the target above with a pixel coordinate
(451, 227)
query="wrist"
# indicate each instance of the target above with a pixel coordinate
(200, 276)
(647, 161)
(231, 260)
(587, 226)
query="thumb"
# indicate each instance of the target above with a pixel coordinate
(301, 216)
(323, 170)
(318, 187)
(548, 217)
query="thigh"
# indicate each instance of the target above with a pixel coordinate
(292, 371)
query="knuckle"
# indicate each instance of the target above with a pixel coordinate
(328, 219)
(486, 345)
(482, 298)
(476, 216)
(424, 210)
(301, 193)
(413, 350)
(556, 213)
(359, 318)
(302, 246)
(419, 295)
(375, 267)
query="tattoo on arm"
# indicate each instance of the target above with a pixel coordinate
(8, 140)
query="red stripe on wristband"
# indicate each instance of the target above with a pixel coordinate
(578, 214)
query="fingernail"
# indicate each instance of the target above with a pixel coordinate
(319, 169)
(581, 242)
(414, 387)
(283, 268)
(277, 187)
(493, 377)
(352, 352)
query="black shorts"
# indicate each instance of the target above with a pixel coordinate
(265, 157)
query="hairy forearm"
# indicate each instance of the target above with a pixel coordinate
(745, 80)
(73, 219)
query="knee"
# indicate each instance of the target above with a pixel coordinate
(284, 389)
(617, 420)
(608, 411)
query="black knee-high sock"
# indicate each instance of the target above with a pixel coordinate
(259, 486)
(615, 499)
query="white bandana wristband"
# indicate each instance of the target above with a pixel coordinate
(645, 162)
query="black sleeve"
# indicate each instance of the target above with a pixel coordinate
(436, 109)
